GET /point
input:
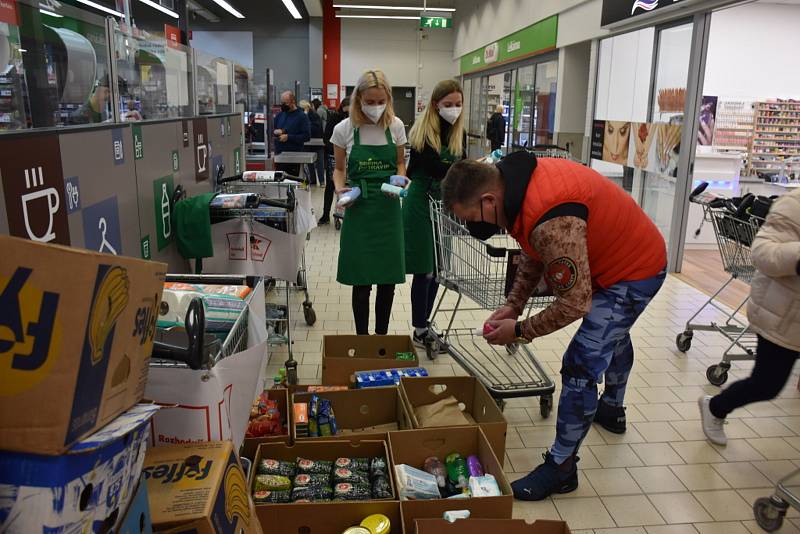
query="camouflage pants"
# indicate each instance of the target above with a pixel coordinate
(601, 347)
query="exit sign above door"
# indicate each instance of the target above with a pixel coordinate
(435, 22)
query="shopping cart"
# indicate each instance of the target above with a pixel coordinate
(735, 229)
(770, 511)
(483, 272)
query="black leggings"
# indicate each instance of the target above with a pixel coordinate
(423, 296)
(383, 308)
(771, 372)
(330, 189)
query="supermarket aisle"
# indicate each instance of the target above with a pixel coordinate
(661, 477)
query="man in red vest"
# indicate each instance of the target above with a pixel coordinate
(603, 259)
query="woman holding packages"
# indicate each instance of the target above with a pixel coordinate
(437, 140)
(370, 146)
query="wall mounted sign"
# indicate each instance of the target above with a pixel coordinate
(620, 10)
(138, 142)
(162, 204)
(202, 150)
(237, 160)
(530, 41)
(145, 246)
(185, 133)
(101, 232)
(435, 22)
(72, 192)
(176, 161)
(117, 147)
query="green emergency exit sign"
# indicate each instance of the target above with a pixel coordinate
(435, 22)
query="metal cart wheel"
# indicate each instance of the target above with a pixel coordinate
(545, 405)
(337, 223)
(717, 374)
(309, 313)
(684, 341)
(769, 513)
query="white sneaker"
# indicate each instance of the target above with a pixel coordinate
(713, 427)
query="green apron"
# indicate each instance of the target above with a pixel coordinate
(417, 225)
(371, 242)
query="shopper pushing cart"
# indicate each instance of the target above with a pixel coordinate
(603, 259)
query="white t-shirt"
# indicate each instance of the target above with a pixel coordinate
(371, 134)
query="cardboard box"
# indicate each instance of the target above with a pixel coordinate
(137, 519)
(72, 361)
(332, 518)
(482, 526)
(249, 445)
(367, 410)
(412, 447)
(344, 355)
(199, 486)
(470, 393)
(94, 481)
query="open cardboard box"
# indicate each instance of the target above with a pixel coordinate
(276, 514)
(331, 518)
(482, 526)
(413, 447)
(342, 356)
(250, 445)
(474, 400)
(366, 410)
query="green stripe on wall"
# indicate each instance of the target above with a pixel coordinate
(539, 37)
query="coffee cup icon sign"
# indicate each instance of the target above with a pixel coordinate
(31, 204)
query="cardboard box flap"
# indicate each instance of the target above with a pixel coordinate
(384, 347)
(363, 409)
(116, 428)
(481, 526)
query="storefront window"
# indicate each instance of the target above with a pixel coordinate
(12, 105)
(524, 96)
(545, 105)
(213, 80)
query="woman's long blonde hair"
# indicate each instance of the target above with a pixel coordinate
(427, 128)
(368, 80)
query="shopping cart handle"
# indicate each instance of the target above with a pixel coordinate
(496, 252)
(196, 352)
(283, 204)
(234, 178)
(697, 190)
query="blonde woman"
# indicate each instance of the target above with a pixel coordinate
(437, 140)
(369, 148)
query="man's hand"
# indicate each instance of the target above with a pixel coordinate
(283, 138)
(503, 333)
(505, 312)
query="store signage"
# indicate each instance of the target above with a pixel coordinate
(172, 35)
(101, 229)
(176, 161)
(435, 22)
(535, 39)
(202, 149)
(620, 10)
(117, 147)
(138, 142)
(145, 245)
(237, 161)
(162, 205)
(8, 12)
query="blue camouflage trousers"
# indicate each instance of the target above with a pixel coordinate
(601, 346)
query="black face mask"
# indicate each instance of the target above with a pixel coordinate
(481, 229)
(285, 107)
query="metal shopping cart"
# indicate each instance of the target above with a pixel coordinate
(735, 229)
(770, 511)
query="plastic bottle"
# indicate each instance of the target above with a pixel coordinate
(348, 198)
(399, 181)
(276, 382)
(435, 467)
(457, 470)
(474, 466)
(394, 190)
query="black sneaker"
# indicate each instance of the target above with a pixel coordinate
(547, 479)
(612, 418)
(323, 221)
(419, 340)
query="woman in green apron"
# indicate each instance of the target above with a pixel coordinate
(370, 145)
(437, 141)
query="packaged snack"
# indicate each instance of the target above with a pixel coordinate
(313, 467)
(301, 419)
(312, 494)
(435, 467)
(474, 466)
(342, 474)
(457, 470)
(405, 356)
(272, 483)
(377, 467)
(276, 467)
(267, 496)
(381, 489)
(326, 419)
(415, 484)
(485, 486)
(351, 492)
(354, 464)
(265, 418)
(315, 480)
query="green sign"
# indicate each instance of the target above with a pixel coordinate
(138, 142)
(176, 161)
(146, 247)
(237, 161)
(541, 37)
(162, 204)
(435, 22)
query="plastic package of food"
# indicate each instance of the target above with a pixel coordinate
(276, 467)
(314, 480)
(342, 474)
(435, 467)
(354, 464)
(381, 489)
(485, 486)
(313, 467)
(312, 494)
(414, 484)
(267, 496)
(352, 492)
(272, 483)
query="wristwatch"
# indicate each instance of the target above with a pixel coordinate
(518, 333)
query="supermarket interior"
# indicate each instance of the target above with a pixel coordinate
(399, 266)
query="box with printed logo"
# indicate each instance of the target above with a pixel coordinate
(200, 488)
(137, 519)
(85, 490)
(76, 333)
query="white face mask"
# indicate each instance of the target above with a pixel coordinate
(373, 112)
(450, 114)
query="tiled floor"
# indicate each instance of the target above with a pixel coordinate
(661, 477)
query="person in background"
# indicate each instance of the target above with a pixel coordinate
(773, 313)
(437, 140)
(496, 128)
(292, 130)
(322, 110)
(96, 108)
(334, 118)
(369, 146)
(316, 133)
(603, 259)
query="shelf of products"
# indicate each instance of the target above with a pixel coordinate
(776, 135)
(734, 125)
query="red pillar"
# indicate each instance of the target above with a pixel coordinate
(331, 53)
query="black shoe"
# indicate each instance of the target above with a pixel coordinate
(323, 221)
(612, 418)
(420, 340)
(547, 479)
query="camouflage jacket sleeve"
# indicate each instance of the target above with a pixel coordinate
(561, 243)
(528, 276)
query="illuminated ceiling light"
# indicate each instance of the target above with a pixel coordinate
(376, 17)
(229, 8)
(292, 9)
(50, 14)
(102, 8)
(159, 7)
(393, 8)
